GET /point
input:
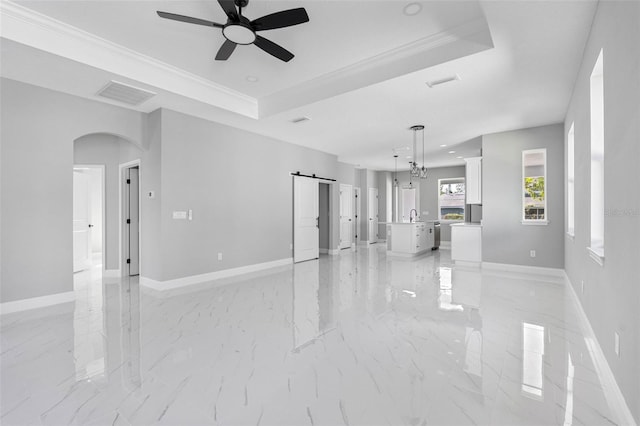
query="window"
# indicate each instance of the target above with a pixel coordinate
(597, 161)
(451, 199)
(534, 187)
(570, 183)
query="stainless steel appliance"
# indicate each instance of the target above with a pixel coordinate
(436, 236)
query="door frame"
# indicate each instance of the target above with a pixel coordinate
(377, 211)
(351, 190)
(357, 201)
(122, 168)
(103, 190)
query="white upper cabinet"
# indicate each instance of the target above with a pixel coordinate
(474, 180)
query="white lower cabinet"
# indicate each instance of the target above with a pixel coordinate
(466, 242)
(409, 238)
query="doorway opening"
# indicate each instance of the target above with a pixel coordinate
(130, 218)
(88, 217)
(324, 217)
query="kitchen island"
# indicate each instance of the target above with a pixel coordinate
(409, 239)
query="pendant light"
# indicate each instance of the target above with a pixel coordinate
(414, 170)
(395, 173)
(419, 172)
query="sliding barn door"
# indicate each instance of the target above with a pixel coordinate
(306, 231)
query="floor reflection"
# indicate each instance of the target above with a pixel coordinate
(357, 338)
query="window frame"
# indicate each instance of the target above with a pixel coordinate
(524, 219)
(464, 205)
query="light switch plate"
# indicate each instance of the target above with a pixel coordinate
(180, 215)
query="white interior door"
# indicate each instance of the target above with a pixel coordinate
(81, 224)
(372, 212)
(133, 220)
(346, 216)
(306, 231)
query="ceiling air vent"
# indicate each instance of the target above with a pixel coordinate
(300, 120)
(124, 93)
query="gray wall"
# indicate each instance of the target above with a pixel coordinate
(38, 130)
(611, 297)
(384, 201)
(429, 195)
(504, 238)
(189, 163)
(246, 216)
(110, 151)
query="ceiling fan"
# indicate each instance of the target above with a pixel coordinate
(240, 30)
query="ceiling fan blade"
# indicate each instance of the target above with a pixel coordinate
(225, 50)
(273, 49)
(229, 8)
(188, 19)
(285, 18)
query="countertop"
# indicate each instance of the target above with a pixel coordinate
(467, 224)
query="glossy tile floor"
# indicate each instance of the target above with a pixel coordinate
(354, 339)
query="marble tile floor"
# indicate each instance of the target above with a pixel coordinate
(353, 339)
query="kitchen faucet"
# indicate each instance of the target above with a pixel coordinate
(411, 217)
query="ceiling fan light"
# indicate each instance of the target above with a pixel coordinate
(239, 33)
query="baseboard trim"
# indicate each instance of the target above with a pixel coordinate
(211, 276)
(538, 270)
(323, 251)
(36, 302)
(334, 252)
(111, 273)
(613, 394)
(445, 244)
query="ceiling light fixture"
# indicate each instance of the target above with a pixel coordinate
(435, 83)
(443, 145)
(412, 9)
(452, 152)
(419, 172)
(252, 79)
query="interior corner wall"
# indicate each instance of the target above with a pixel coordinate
(38, 130)
(611, 297)
(504, 238)
(384, 201)
(239, 187)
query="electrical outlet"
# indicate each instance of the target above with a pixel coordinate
(616, 347)
(219, 256)
(532, 253)
(582, 286)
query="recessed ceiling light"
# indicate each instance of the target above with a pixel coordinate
(452, 152)
(252, 79)
(412, 9)
(409, 157)
(459, 156)
(443, 145)
(444, 80)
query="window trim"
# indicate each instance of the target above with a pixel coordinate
(524, 220)
(464, 208)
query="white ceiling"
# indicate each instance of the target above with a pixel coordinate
(359, 72)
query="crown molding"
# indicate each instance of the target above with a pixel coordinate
(42, 32)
